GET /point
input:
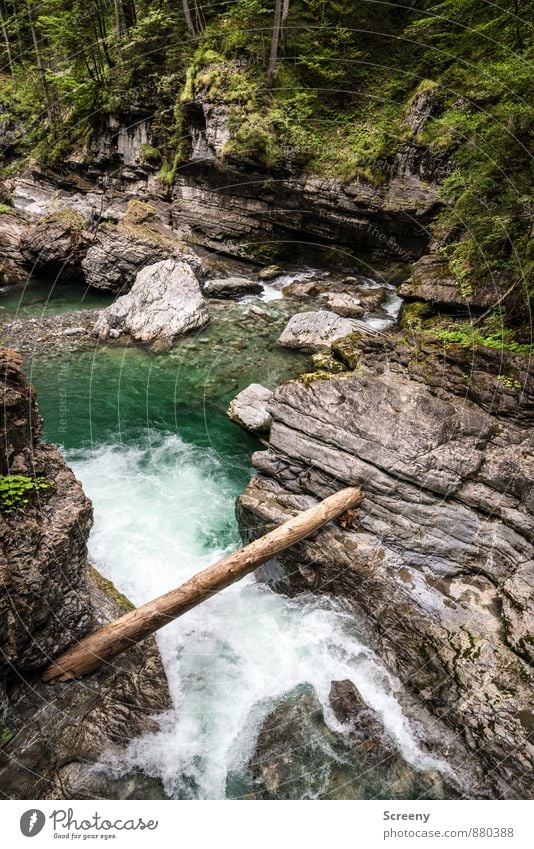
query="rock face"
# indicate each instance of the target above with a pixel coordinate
(250, 408)
(439, 558)
(50, 741)
(56, 242)
(231, 287)
(164, 303)
(299, 756)
(315, 331)
(12, 263)
(433, 281)
(116, 255)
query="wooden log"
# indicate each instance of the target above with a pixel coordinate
(113, 639)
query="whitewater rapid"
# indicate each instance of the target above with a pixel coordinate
(164, 509)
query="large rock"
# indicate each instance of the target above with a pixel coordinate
(249, 408)
(439, 557)
(299, 756)
(315, 331)
(231, 287)
(432, 280)
(345, 305)
(13, 268)
(164, 303)
(119, 251)
(50, 740)
(116, 256)
(56, 242)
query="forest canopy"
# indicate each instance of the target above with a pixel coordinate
(322, 86)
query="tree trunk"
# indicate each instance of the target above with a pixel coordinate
(273, 57)
(40, 68)
(6, 41)
(115, 638)
(189, 20)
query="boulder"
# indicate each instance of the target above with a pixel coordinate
(345, 305)
(115, 257)
(249, 408)
(56, 241)
(271, 272)
(164, 303)
(432, 280)
(372, 299)
(231, 287)
(315, 331)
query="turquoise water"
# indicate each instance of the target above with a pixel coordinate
(148, 437)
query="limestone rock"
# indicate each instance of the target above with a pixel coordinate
(56, 241)
(315, 331)
(49, 599)
(231, 287)
(13, 268)
(345, 305)
(439, 557)
(115, 257)
(271, 272)
(432, 280)
(164, 303)
(249, 408)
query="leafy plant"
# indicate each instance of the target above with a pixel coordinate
(17, 490)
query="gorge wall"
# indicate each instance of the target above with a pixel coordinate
(50, 597)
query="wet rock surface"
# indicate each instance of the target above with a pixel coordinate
(52, 738)
(362, 763)
(439, 554)
(164, 303)
(249, 408)
(231, 287)
(315, 331)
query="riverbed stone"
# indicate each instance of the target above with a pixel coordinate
(231, 287)
(250, 408)
(315, 331)
(344, 305)
(164, 303)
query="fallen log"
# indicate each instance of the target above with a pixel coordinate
(113, 639)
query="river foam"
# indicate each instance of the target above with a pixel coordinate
(163, 510)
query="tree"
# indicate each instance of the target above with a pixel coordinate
(40, 66)
(280, 7)
(6, 38)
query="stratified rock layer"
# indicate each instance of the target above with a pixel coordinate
(440, 555)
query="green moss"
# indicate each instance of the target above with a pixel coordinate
(415, 313)
(324, 362)
(68, 217)
(149, 155)
(110, 590)
(312, 376)
(348, 350)
(6, 210)
(6, 734)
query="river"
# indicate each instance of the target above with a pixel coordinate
(148, 437)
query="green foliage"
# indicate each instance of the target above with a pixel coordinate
(16, 491)
(6, 734)
(5, 210)
(492, 333)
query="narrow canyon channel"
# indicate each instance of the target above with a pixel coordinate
(149, 438)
